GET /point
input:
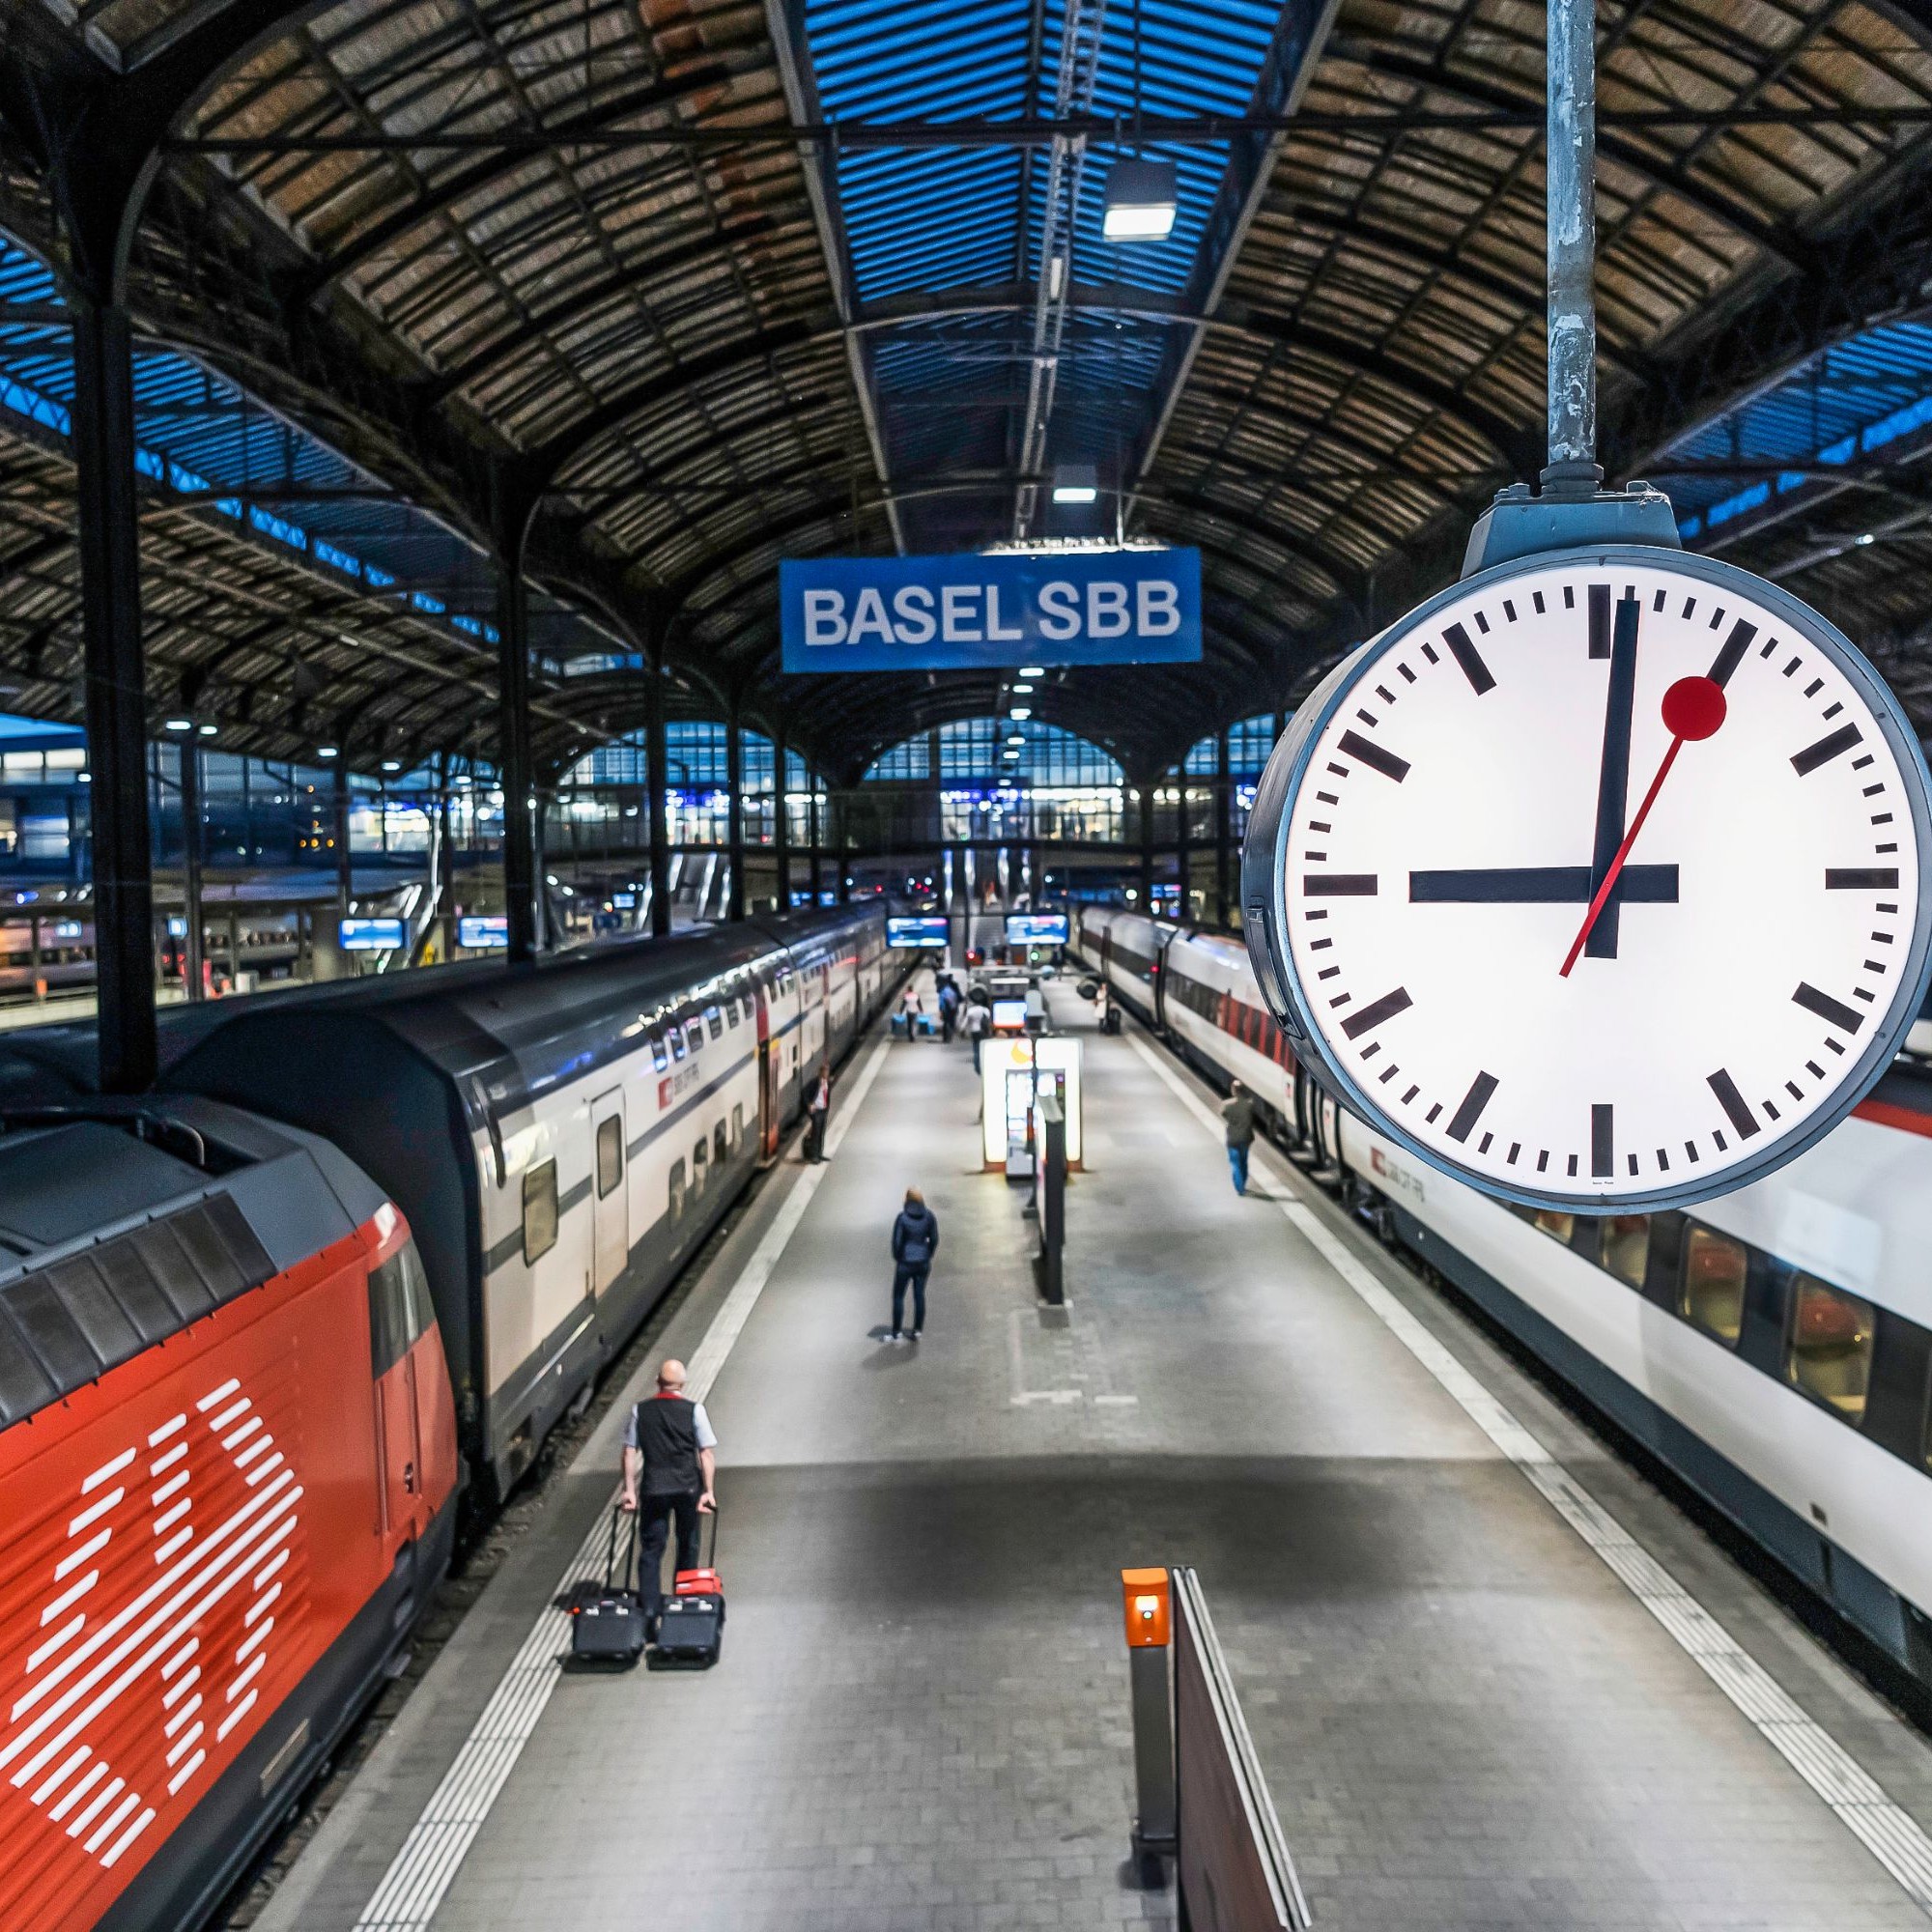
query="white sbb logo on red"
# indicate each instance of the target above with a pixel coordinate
(94, 1655)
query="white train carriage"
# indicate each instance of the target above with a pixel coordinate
(562, 1138)
(1773, 1346)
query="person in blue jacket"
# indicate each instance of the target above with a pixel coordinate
(915, 1242)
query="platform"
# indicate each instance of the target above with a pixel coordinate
(1467, 1718)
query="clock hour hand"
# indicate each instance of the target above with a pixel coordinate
(1538, 885)
(1614, 774)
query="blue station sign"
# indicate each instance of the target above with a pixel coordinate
(966, 611)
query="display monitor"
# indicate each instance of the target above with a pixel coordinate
(916, 933)
(1036, 928)
(373, 935)
(480, 930)
(1009, 1015)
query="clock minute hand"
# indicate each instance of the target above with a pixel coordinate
(1613, 772)
(1693, 708)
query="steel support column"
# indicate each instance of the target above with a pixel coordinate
(514, 754)
(190, 798)
(1146, 848)
(1184, 847)
(108, 533)
(734, 812)
(843, 882)
(345, 878)
(811, 830)
(1224, 829)
(445, 861)
(780, 821)
(657, 779)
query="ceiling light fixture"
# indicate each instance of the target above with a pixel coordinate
(1075, 483)
(181, 724)
(1020, 711)
(1141, 197)
(205, 729)
(326, 751)
(1032, 670)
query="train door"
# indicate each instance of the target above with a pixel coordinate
(395, 1318)
(610, 1209)
(771, 1082)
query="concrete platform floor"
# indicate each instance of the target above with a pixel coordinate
(921, 1716)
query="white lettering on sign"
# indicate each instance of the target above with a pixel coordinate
(824, 616)
(972, 613)
(913, 607)
(1059, 611)
(1157, 612)
(1106, 609)
(955, 611)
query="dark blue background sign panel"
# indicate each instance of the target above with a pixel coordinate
(1036, 928)
(921, 932)
(959, 613)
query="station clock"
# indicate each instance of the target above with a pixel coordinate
(1596, 881)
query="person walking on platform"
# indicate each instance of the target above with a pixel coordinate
(670, 1475)
(979, 1024)
(915, 1242)
(817, 1111)
(1238, 1116)
(948, 1009)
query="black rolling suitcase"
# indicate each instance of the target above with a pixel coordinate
(690, 1631)
(607, 1619)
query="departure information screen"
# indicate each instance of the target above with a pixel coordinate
(1036, 928)
(928, 934)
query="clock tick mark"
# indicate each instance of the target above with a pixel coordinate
(1690, 1152)
(1509, 610)
(1690, 606)
(1429, 651)
(1735, 1107)
(1834, 1047)
(1602, 1140)
(1720, 1140)
(1387, 695)
(1483, 1145)
(1319, 825)
(1368, 718)
(1516, 1148)
(1572, 1167)
(1599, 619)
(1535, 598)
(1407, 675)
(1370, 1051)
(1881, 939)
(1770, 1110)
(1859, 764)
(1327, 798)
(1874, 965)
(1479, 674)
(1482, 624)
(1816, 1071)
(1663, 1161)
(1885, 848)
(1859, 993)
(1433, 1112)
(1320, 945)
(1828, 748)
(1377, 1011)
(1833, 1012)
(1632, 1158)
(1388, 1074)
(1569, 597)
(1339, 885)
(1771, 646)
(1373, 756)
(1812, 688)
(1339, 771)
(1796, 1092)
(1657, 601)
(1792, 665)
(1731, 655)
(1543, 1156)
(1316, 857)
(1880, 819)
(1883, 905)
(1831, 711)
(1872, 791)
(1717, 616)
(1471, 1111)
(1410, 1095)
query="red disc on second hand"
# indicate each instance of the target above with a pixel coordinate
(1694, 707)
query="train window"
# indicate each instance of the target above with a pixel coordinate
(389, 1335)
(721, 1143)
(693, 1033)
(539, 1210)
(1711, 1283)
(714, 1018)
(1558, 1227)
(731, 1010)
(677, 1191)
(659, 1054)
(1626, 1249)
(676, 1039)
(1827, 1353)
(610, 1153)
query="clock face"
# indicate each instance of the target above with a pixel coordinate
(1597, 879)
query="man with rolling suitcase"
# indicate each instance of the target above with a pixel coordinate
(671, 1472)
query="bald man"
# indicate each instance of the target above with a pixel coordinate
(670, 1443)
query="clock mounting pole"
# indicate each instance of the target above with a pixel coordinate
(1571, 506)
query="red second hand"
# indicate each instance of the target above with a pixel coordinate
(1693, 708)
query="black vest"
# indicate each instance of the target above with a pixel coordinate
(667, 1436)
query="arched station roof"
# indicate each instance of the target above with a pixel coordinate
(687, 286)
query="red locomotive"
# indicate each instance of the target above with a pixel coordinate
(228, 1454)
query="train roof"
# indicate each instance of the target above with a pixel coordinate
(123, 1222)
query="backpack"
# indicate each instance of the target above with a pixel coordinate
(916, 1253)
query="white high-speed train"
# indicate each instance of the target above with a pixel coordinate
(1773, 1346)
